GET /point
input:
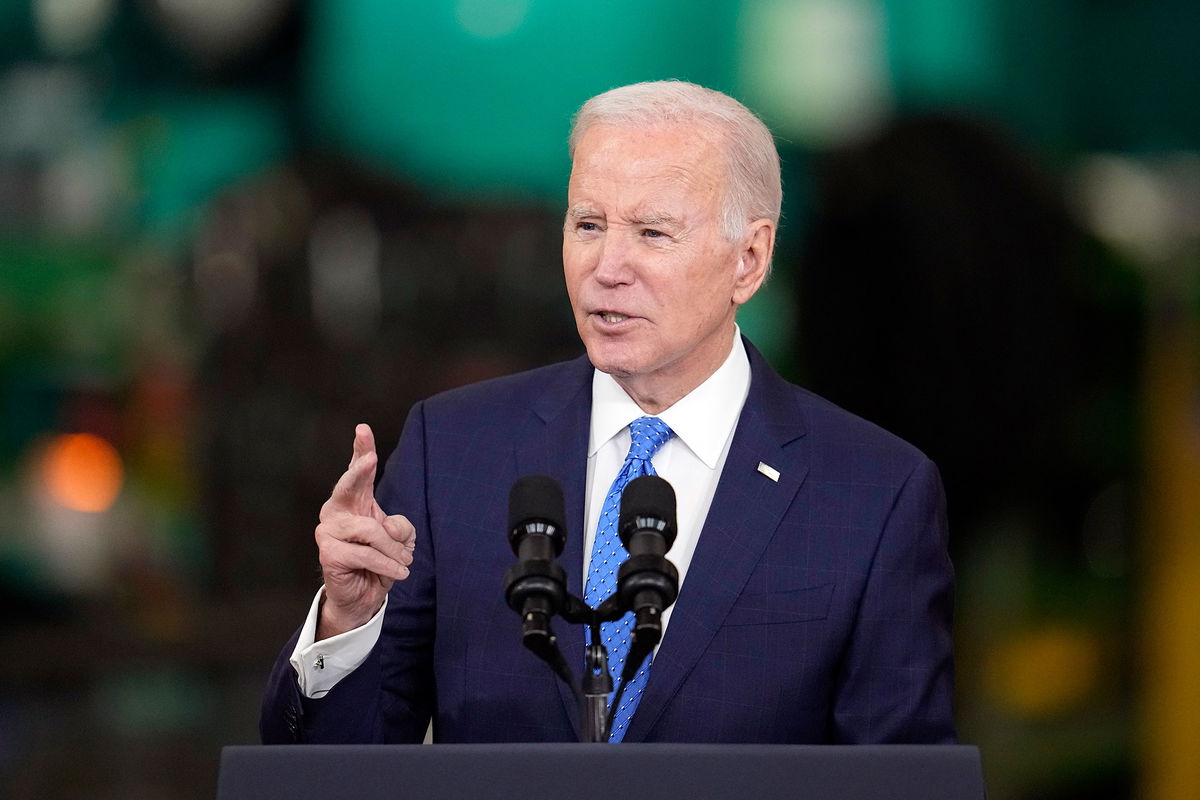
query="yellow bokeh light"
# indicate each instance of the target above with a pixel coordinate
(1044, 672)
(82, 471)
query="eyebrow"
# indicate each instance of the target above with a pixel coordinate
(581, 212)
(654, 219)
(645, 218)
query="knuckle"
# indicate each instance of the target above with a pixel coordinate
(362, 528)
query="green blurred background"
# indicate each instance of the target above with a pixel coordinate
(230, 231)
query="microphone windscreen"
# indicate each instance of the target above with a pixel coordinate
(536, 498)
(648, 496)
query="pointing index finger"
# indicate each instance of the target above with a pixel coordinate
(355, 490)
(364, 441)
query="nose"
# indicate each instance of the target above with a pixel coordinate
(615, 264)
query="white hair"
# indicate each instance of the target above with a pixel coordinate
(752, 163)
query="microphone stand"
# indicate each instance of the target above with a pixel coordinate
(535, 587)
(597, 683)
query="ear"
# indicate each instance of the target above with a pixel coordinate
(754, 260)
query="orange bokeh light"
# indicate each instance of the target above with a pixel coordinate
(82, 471)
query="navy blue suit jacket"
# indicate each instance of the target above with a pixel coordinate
(817, 609)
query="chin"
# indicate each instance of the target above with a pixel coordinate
(616, 369)
(610, 360)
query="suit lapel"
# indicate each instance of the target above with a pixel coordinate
(554, 442)
(746, 511)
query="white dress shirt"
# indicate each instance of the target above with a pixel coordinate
(691, 461)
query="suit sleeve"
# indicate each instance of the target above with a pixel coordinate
(389, 698)
(896, 683)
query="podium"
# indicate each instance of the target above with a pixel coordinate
(601, 772)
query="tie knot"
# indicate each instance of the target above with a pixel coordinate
(647, 434)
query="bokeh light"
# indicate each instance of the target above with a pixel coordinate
(1046, 672)
(82, 472)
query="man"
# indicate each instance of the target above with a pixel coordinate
(815, 595)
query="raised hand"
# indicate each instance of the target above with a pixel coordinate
(362, 550)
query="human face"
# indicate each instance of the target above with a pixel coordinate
(653, 282)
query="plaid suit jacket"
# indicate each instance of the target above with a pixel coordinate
(817, 607)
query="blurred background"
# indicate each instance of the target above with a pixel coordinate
(231, 230)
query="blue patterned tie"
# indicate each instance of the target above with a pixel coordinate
(647, 435)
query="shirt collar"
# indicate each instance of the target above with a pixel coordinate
(701, 419)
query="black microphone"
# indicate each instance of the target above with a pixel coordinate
(536, 586)
(647, 582)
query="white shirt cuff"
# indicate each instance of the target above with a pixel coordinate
(320, 665)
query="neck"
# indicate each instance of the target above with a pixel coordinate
(652, 402)
(654, 394)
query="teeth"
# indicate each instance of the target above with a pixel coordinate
(609, 316)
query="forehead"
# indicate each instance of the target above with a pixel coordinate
(636, 160)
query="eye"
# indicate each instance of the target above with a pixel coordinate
(651, 233)
(586, 227)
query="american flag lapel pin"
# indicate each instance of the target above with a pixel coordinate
(769, 471)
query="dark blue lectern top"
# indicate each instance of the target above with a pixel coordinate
(601, 772)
